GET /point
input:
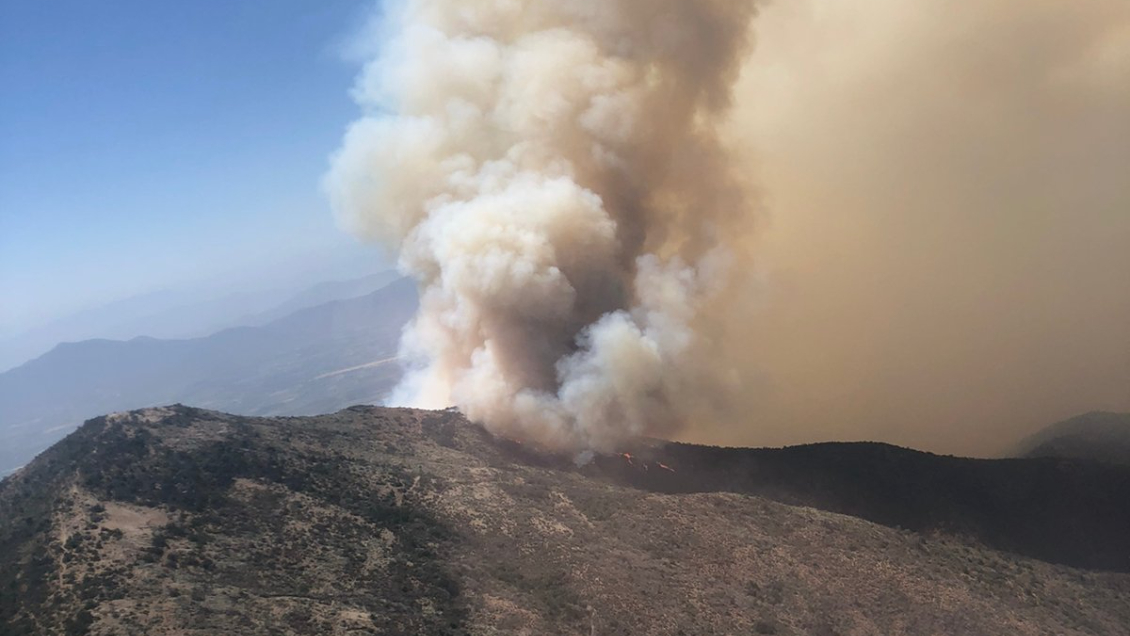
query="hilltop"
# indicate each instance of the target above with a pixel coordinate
(393, 521)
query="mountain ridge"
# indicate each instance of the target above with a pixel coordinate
(278, 368)
(376, 520)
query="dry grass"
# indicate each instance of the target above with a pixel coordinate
(402, 522)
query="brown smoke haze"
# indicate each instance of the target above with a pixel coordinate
(948, 235)
(820, 220)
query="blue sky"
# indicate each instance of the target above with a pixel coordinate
(146, 144)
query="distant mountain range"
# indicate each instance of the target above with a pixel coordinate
(312, 360)
(1097, 436)
(320, 294)
(184, 313)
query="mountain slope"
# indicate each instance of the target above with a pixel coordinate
(315, 360)
(1075, 513)
(1099, 436)
(208, 305)
(405, 522)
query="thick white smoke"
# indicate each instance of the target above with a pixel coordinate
(552, 176)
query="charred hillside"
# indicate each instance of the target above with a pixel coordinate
(1073, 512)
(389, 521)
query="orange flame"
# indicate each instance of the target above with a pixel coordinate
(628, 456)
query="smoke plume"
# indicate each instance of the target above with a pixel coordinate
(551, 174)
(942, 215)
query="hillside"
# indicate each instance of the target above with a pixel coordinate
(315, 360)
(390, 521)
(1099, 436)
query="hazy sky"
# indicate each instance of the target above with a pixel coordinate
(943, 195)
(945, 219)
(147, 143)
